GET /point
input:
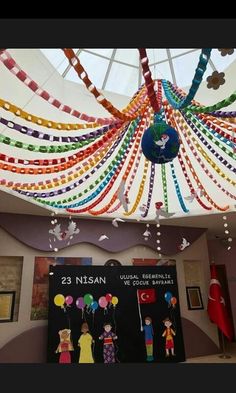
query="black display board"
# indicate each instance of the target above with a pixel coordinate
(122, 296)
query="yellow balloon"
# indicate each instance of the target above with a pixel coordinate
(114, 300)
(59, 300)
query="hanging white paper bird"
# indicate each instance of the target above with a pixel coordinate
(71, 231)
(162, 142)
(116, 220)
(161, 212)
(184, 244)
(124, 200)
(103, 237)
(56, 231)
(143, 208)
(199, 192)
(147, 233)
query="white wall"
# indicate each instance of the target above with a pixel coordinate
(9, 246)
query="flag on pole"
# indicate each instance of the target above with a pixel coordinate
(145, 296)
(216, 306)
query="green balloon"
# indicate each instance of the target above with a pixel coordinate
(88, 299)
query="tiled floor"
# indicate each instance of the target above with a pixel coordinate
(230, 350)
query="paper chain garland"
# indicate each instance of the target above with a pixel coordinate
(114, 151)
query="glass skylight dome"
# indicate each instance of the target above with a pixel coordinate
(106, 67)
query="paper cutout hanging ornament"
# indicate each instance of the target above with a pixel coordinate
(184, 244)
(115, 222)
(160, 143)
(65, 346)
(194, 194)
(68, 234)
(146, 234)
(103, 237)
(121, 195)
(143, 208)
(161, 212)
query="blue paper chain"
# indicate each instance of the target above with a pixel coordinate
(177, 189)
(200, 70)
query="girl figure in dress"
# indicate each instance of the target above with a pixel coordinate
(85, 343)
(108, 345)
(65, 346)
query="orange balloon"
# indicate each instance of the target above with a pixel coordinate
(173, 300)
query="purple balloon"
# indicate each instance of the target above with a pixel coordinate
(69, 300)
(80, 303)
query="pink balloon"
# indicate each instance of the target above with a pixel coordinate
(108, 297)
(69, 300)
(102, 302)
(80, 303)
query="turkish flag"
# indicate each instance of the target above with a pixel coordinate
(216, 306)
(146, 295)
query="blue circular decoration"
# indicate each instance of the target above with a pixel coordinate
(160, 143)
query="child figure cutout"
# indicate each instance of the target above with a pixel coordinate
(85, 343)
(65, 346)
(108, 345)
(168, 334)
(148, 332)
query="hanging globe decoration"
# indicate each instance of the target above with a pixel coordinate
(160, 143)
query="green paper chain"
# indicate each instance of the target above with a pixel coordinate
(113, 165)
(164, 185)
(45, 149)
(209, 135)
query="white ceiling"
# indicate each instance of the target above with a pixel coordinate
(127, 58)
(107, 66)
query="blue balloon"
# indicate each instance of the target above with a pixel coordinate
(94, 305)
(168, 296)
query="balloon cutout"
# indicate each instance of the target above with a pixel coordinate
(173, 301)
(114, 300)
(103, 302)
(69, 300)
(108, 297)
(160, 143)
(88, 299)
(59, 300)
(94, 306)
(80, 303)
(168, 296)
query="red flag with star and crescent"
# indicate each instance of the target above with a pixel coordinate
(146, 295)
(216, 306)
